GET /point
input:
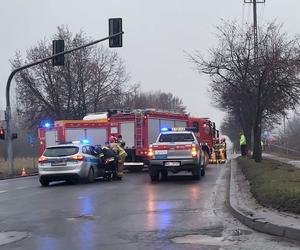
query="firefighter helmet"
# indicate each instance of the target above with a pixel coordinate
(112, 139)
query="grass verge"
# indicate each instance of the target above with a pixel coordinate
(19, 163)
(273, 184)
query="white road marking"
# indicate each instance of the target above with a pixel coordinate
(3, 191)
(18, 188)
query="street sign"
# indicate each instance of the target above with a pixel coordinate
(31, 139)
(266, 134)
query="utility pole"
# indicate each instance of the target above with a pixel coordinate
(257, 150)
(255, 36)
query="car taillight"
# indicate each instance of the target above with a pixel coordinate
(78, 157)
(194, 151)
(43, 159)
(150, 153)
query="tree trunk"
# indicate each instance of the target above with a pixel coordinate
(248, 135)
(257, 150)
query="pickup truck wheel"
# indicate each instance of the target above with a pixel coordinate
(203, 172)
(196, 174)
(154, 176)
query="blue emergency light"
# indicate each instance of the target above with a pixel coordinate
(46, 124)
(85, 141)
(178, 129)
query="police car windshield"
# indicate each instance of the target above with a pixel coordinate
(61, 151)
(176, 137)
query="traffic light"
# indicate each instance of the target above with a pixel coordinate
(57, 47)
(114, 27)
(2, 134)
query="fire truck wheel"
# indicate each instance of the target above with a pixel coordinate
(135, 168)
(91, 176)
(71, 182)
(196, 174)
(164, 175)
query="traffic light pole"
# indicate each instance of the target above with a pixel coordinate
(8, 115)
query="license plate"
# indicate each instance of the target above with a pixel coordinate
(172, 164)
(161, 152)
(58, 164)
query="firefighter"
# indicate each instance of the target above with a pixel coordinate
(120, 141)
(106, 154)
(121, 155)
(243, 144)
(109, 160)
(217, 148)
(223, 146)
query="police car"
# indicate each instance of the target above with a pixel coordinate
(176, 150)
(70, 162)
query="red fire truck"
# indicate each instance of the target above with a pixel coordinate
(139, 129)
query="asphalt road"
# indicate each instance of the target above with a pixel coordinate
(130, 214)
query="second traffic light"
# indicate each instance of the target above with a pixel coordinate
(115, 27)
(57, 47)
(2, 134)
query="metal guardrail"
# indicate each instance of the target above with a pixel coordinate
(274, 147)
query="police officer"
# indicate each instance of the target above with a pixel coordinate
(121, 155)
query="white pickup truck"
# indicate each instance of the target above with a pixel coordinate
(175, 151)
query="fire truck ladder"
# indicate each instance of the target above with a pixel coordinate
(139, 119)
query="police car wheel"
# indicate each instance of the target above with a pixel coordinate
(91, 176)
(44, 183)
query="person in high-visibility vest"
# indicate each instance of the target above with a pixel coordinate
(120, 141)
(108, 160)
(121, 155)
(243, 144)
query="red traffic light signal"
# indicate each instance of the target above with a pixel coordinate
(2, 134)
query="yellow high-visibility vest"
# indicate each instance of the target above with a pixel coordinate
(243, 140)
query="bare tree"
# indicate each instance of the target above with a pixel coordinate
(89, 79)
(136, 99)
(254, 90)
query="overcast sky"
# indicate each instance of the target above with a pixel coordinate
(157, 32)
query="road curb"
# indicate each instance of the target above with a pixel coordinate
(17, 177)
(247, 216)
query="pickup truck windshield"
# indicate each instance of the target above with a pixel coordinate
(176, 137)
